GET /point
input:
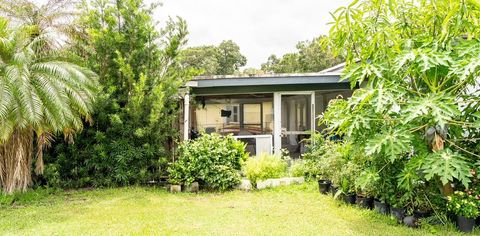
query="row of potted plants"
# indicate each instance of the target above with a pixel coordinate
(463, 207)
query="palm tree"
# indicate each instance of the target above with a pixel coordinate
(52, 20)
(41, 94)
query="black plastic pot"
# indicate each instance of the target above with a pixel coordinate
(324, 185)
(465, 224)
(381, 207)
(364, 202)
(349, 198)
(410, 221)
(398, 213)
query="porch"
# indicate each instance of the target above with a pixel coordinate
(269, 112)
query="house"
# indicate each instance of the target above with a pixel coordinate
(268, 112)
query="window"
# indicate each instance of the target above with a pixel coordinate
(234, 117)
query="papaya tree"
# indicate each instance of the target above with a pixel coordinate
(417, 63)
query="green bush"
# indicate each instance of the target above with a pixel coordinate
(463, 204)
(264, 167)
(324, 159)
(52, 176)
(298, 168)
(212, 160)
(131, 139)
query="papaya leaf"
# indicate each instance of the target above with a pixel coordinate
(447, 166)
(391, 143)
(437, 107)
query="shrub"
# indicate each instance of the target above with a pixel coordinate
(265, 167)
(52, 176)
(212, 160)
(298, 169)
(463, 204)
(325, 159)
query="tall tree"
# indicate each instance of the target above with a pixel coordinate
(41, 94)
(137, 107)
(311, 56)
(224, 59)
(202, 58)
(229, 58)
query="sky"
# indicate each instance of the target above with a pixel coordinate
(260, 27)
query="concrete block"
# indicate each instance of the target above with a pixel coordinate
(274, 183)
(192, 188)
(175, 188)
(245, 185)
(264, 184)
(285, 181)
(298, 180)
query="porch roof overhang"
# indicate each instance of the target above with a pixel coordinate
(218, 85)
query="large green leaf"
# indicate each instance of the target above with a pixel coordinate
(447, 166)
(438, 108)
(391, 143)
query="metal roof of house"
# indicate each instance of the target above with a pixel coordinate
(235, 84)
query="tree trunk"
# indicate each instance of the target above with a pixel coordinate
(447, 189)
(16, 162)
(438, 145)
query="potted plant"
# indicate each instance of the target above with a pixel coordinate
(365, 187)
(381, 206)
(347, 191)
(175, 182)
(397, 208)
(465, 208)
(324, 185)
(364, 201)
(421, 207)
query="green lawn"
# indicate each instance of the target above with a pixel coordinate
(294, 210)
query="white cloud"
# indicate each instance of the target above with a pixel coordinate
(259, 27)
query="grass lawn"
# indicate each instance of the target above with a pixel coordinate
(293, 210)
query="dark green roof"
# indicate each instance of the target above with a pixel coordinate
(205, 85)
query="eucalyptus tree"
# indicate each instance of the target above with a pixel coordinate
(418, 65)
(41, 95)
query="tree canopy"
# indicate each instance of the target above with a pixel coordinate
(224, 59)
(311, 56)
